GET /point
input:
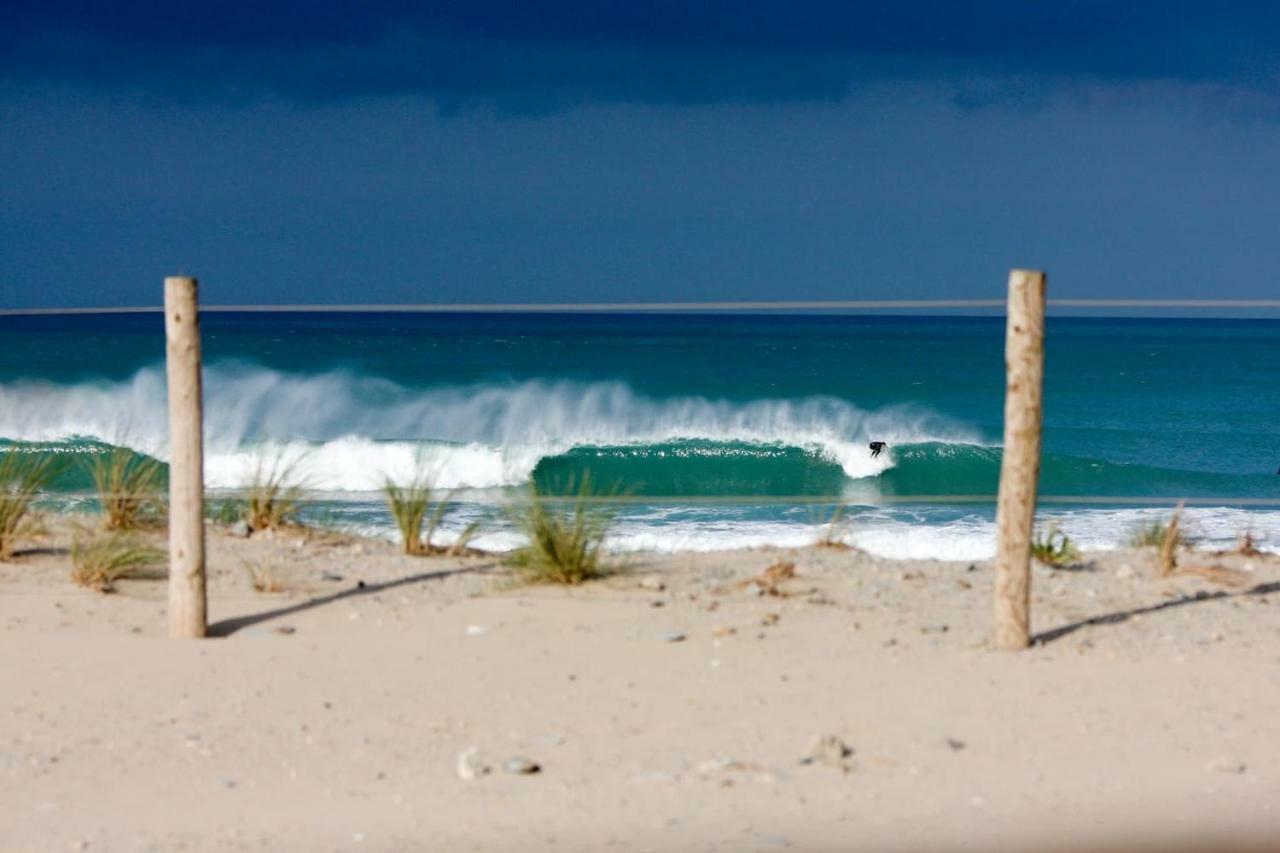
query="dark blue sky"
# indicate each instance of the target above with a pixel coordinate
(481, 151)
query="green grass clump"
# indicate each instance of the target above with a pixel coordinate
(273, 493)
(100, 560)
(418, 516)
(226, 511)
(22, 476)
(1054, 548)
(1153, 535)
(566, 537)
(130, 488)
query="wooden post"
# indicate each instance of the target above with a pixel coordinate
(1020, 465)
(187, 606)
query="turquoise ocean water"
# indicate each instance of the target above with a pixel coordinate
(730, 416)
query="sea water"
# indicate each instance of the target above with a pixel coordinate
(722, 430)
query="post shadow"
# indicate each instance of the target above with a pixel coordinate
(227, 627)
(1119, 616)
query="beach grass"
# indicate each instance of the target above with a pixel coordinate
(100, 560)
(566, 536)
(265, 577)
(418, 510)
(22, 476)
(1172, 540)
(1054, 548)
(1247, 545)
(836, 530)
(272, 495)
(1155, 534)
(130, 488)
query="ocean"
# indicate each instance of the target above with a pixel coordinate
(722, 430)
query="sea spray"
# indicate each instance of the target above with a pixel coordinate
(357, 429)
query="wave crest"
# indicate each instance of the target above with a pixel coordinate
(360, 428)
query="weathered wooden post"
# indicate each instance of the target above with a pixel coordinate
(187, 607)
(1020, 465)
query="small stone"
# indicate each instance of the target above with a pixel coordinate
(240, 530)
(331, 577)
(518, 765)
(470, 767)
(934, 629)
(474, 631)
(674, 637)
(829, 750)
(1125, 572)
(657, 602)
(770, 619)
(653, 583)
(286, 630)
(723, 631)
(755, 590)
(227, 782)
(955, 744)
(1227, 765)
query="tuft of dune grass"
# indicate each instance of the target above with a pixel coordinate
(100, 560)
(566, 537)
(273, 492)
(836, 532)
(22, 476)
(1054, 548)
(1170, 543)
(130, 488)
(1155, 534)
(265, 577)
(418, 513)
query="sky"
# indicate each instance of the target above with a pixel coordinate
(475, 151)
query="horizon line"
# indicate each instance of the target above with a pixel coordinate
(644, 307)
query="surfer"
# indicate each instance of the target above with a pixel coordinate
(876, 447)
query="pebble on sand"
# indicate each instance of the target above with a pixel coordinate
(829, 750)
(518, 765)
(470, 767)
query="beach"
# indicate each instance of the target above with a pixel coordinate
(377, 702)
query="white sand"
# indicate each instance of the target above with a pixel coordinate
(345, 734)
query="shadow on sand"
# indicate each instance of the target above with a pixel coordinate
(227, 627)
(1123, 615)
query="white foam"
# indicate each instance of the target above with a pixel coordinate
(356, 429)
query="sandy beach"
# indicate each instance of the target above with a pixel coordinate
(378, 701)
